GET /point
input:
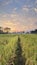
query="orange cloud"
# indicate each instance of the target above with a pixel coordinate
(18, 22)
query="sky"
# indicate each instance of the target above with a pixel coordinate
(19, 15)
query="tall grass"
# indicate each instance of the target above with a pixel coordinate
(7, 48)
(28, 44)
(29, 48)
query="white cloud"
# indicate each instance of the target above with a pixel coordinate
(15, 9)
(25, 9)
(5, 2)
(35, 9)
(35, 1)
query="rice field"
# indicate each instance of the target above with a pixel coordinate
(8, 44)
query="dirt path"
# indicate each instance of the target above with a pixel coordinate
(18, 59)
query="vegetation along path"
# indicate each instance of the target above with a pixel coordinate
(18, 49)
(18, 58)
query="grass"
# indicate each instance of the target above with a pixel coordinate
(29, 47)
(8, 45)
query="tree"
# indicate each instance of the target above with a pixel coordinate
(1, 30)
(35, 31)
(7, 30)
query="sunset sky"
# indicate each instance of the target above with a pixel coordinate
(19, 15)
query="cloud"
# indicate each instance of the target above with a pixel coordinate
(35, 9)
(23, 16)
(18, 22)
(15, 9)
(5, 2)
(35, 1)
(25, 9)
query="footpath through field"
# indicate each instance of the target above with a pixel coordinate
(18, 58)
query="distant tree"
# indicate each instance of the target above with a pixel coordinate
(27, 32)
(7, 30)
(35, 31)
(1, 30)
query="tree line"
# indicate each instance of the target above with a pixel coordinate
(4, 30)
(7, 30)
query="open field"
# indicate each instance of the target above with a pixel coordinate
(29, 47)
(8, 45)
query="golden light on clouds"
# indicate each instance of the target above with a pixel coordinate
(18, 22)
